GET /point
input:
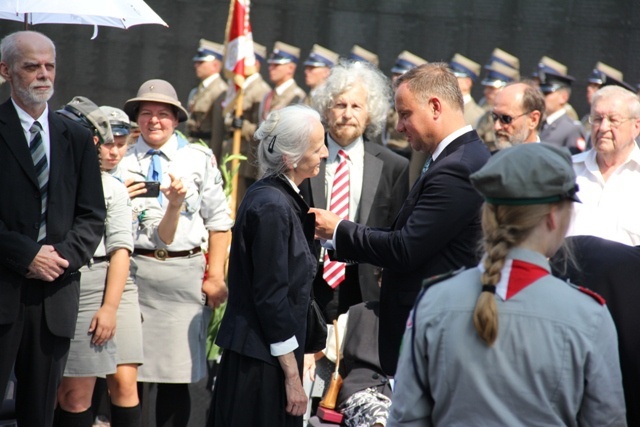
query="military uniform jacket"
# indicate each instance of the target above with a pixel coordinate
(472, 112)
(554, 363)
(252, 97)
(75, 215)
(436, 230)
(564, 132)
(205, 115)
(272, 263)
(272, 101)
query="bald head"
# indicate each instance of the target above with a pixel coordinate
(518, 111)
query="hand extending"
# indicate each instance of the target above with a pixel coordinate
(326, 223)
(216, 291)
(47, 265)
(175, 192)
(134, 189)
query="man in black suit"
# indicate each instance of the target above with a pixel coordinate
(353, 103)
(51, 221)
(438, 227)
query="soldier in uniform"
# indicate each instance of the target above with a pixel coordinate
(558, 128)
(317, 68)
(205, 101)
(467, 71)
(546, 62)
(359, 53)
(282, 66)
(254, 90)
(502, 68)
(176, 297)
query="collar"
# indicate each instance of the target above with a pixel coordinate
(353, 150)
(26, 121)
(589, 158)
(293, 184)
(467, 98)
(169, 148)
(521, 268)
(284, 86)
(449, 139)
(555, 116)
(206, 82)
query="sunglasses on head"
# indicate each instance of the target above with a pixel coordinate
(505, 118)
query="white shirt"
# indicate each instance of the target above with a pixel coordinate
(449, 139)
(26, 121)
(355, 162)
(206, 82)
(555, 116)
(205, 206)
(611, 209)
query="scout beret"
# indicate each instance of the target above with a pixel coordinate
(527, 174)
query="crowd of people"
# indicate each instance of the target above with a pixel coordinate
(369, 196)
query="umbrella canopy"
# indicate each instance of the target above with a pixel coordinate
(110, 13)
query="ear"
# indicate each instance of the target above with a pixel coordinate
(96, 140)
(4, 71)
(534, 119)
(434, 106)
(553, 218)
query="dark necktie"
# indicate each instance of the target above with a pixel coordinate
(425, 168)
(39, 157)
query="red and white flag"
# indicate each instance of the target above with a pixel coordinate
(239, 60)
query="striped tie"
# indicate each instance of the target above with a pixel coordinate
(334, 271)
(42, 171)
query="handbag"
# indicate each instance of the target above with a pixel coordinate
(316, 337)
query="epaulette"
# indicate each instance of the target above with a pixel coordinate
(440, 277)
(596, 296)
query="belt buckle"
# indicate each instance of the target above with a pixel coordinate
(161, 254)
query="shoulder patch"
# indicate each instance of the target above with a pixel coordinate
(596, 296)
(440, 277)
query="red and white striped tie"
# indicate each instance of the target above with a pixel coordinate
(334, 271)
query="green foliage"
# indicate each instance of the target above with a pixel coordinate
(227, 173)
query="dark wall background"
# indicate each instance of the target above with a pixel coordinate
(577, 33)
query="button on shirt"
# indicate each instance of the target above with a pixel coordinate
(611, 209)
(205, 207)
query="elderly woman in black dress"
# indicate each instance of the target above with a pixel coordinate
(271, 268)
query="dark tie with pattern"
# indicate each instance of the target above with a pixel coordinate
(36, 146)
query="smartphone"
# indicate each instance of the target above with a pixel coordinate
(153, 188)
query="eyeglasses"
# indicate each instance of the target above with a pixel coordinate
(506, 119)
(614, 122)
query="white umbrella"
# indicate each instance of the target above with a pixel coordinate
(110, 13)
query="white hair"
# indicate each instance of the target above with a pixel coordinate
(284, 137)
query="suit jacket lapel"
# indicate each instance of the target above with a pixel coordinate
(370, 180)
(58, 147)
(11, 132)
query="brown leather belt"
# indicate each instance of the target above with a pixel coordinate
(163, 254)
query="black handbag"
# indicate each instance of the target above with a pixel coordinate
(316, 338)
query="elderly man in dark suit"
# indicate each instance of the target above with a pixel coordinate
(353, 103)
(438, 227)
(51, 220)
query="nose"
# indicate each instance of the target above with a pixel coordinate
(325, 152)
(400, 126)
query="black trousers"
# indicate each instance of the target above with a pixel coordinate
(39, 358)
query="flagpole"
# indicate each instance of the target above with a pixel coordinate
(237, 135)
